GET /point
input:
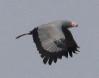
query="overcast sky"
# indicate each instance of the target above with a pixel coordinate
(20, 59)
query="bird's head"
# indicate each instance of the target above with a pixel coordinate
(70, 24)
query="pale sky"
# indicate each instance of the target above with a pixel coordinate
(20, 58)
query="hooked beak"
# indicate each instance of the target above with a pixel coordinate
(76, 25)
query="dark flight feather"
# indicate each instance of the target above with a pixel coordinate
(68, 45)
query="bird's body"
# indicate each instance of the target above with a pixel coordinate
(49, 33)
(54, 40)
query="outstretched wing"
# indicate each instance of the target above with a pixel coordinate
(50, 51)
(72, 46)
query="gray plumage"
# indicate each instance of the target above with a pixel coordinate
(54, 40)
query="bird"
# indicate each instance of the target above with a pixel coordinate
(54, 40)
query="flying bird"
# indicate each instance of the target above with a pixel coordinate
(54, 40)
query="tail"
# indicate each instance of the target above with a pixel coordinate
(22, 35)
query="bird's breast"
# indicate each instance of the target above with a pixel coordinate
(48, 35)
